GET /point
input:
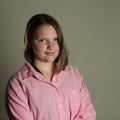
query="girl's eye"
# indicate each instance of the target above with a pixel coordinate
(56, 39)
(42, 40)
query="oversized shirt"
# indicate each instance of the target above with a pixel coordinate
(32, 97)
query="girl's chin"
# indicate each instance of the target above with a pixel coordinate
(48, 60)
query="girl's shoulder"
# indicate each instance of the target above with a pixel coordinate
(19, 74)
(74, 72)
(74, 76)
(72, 68)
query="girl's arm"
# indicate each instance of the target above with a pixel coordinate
(16, 102)
(86, 109)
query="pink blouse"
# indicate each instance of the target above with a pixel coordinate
(32, 97)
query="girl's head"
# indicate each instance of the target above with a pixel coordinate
(43, 39)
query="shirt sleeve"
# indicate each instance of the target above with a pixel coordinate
(86, 109)
(16, 102)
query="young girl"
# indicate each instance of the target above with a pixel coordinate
(46, 87)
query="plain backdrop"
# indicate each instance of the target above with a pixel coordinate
(92, 33)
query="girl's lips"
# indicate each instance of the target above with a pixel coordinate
(50, 53)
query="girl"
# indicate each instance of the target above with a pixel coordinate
(46, 87)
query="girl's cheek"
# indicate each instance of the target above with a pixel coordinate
(40, 47)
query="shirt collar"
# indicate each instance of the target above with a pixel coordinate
(29, 71)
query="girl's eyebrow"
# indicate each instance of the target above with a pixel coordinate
(46, 37)
(40, 38)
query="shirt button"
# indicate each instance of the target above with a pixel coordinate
(60, 106)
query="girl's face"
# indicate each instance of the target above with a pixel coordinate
(46, 47)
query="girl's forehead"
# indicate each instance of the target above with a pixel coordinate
(46, 30)
(45, 26)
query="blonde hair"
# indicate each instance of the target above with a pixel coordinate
(32, 25)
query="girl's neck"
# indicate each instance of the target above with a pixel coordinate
(46, 68)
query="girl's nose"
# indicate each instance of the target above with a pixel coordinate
(50, 45)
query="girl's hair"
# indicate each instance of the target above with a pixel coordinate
(32, 25)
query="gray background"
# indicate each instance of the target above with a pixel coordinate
(92, 32)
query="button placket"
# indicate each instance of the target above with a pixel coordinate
(59, 99)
